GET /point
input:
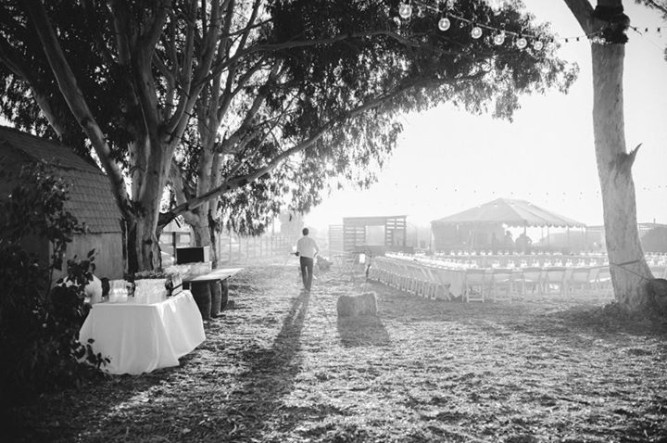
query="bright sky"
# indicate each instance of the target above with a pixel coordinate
(448, 161)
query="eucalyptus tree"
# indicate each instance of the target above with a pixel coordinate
(313, 93)
(94, 66)
(237, 104)
(606, 24)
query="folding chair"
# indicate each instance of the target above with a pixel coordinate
(580, 280)
(476, 284)
(530, 279)
(554, 280)
(420, 279)
(428, 282)
(603, 281)
(502, 282)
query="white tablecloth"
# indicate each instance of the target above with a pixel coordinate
(453, 280)
(139, 337)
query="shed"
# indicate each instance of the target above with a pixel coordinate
(358, 237)
(90, 199)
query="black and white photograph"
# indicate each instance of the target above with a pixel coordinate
(333, 221)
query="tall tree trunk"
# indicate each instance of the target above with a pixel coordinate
(629, 271)
(143, 243)
(143, 252)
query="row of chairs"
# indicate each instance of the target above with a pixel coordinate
(407, 276)
(487, 284)
(504, 284)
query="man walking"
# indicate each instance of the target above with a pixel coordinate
(306, 249)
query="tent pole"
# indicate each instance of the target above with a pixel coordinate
(548, 238)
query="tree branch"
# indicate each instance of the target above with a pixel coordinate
(656, 5)
(240, 181)
(583, 12)
(75, 100)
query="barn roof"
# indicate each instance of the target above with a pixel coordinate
(91, 200)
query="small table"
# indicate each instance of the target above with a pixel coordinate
(142, 337)
(216, 274)
(199, 285)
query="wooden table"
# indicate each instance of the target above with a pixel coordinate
(200, 286)
(216, 274)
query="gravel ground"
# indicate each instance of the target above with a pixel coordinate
(279, 366)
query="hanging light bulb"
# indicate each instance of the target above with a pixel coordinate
(405, 10)
(444, 23)
(486, 66)
(499, 39)
(521, 43)
(476, 32)
(538, 45)
(551, 46)
(496, 5)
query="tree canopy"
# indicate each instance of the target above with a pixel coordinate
(240, 106)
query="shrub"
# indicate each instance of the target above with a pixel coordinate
(39, 322)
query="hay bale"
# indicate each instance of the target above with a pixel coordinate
(356, 305)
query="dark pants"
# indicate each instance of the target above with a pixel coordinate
(307, 272)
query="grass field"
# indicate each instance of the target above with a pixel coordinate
(279, 366)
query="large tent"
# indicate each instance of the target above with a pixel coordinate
(511, 213)
(484, 225)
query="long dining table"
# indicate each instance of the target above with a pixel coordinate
(142, 336)
(436, 279)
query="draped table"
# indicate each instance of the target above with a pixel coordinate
(405, 272)
(140, 337)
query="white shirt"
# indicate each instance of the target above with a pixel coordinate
(306, 247)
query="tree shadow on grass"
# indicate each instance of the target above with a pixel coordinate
(610, 318)
(363, 330)
(271, 376)
(62, 415)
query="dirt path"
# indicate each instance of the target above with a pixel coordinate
(280, 367)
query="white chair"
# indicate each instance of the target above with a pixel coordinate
(581, 279)
(553, 280)
(502, 284)
(530, 279)
(476, 284)
(603, 281)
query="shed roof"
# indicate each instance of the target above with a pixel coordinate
(91, 200)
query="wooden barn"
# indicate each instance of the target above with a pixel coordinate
(90, 199)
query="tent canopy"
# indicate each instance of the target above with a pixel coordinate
(510, 212)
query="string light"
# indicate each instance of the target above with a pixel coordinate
(521, 40)
(405, 10)
(499, 38)
(444, 24)
(521, 43)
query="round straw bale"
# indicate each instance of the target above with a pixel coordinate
(355, 305)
